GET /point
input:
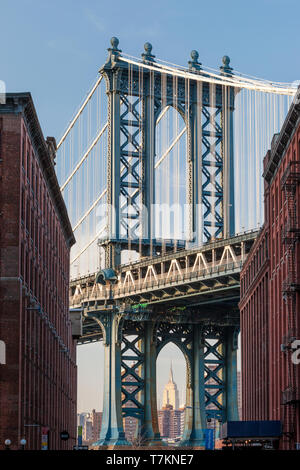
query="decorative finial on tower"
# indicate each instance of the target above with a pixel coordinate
(147, 56)
(194, 64)
(113, 51)
(225, 68)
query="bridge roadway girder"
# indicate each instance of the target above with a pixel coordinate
(215, 288)
(180, 277)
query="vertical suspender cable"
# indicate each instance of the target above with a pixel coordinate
(198, 156)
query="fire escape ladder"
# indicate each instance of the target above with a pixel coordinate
(290, 237)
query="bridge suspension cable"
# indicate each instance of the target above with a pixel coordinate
(86, 154)
(234, 81)
(216, 72)
(81, 108)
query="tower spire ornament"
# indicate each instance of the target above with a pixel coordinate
(171, 379)
(147, 56)
(171, 393)
(113, 51)
(225, 68)
(194, 65)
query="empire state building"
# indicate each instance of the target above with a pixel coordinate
(171, 394)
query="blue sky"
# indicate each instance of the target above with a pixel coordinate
(54, 50)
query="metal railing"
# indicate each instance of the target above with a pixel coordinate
(161, 281)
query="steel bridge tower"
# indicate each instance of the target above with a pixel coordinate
(132, 338)
(135, 101)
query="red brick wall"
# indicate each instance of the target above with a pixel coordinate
(254, 327)
(282, 370)
(266, 370)
(10, 285)
(38, 382)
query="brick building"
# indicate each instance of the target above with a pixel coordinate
(87, 432)
(91, 426)
(170, 422)
(182, 418)
(270, 293)
(38, 378)
(96, 423)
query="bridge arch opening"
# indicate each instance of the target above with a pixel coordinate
(171, 377)
(90, 375)
(170, 174)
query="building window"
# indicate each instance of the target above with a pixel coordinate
(23, 152)
(27, 215)
(32, 225)
(36, 289)
(36, 235)
(23, 205)
(36, 182)
(28, 165)
(22, 260)
(32, 176)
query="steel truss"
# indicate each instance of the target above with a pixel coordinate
(132, 334)
(136, 98)
(132, 346)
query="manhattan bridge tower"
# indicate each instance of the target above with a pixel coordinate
(168, 142)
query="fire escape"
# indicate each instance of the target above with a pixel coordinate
(291, 285)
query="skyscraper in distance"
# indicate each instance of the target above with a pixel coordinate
(171, 393)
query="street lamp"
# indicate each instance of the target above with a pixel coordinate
(23, 443)
(7, 444)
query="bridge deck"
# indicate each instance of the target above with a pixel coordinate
(206, 278)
